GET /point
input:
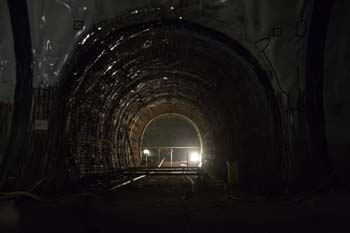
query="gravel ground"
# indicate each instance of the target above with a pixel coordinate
(166, 204)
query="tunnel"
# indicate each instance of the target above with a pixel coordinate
(174, 138)
(127, 72)
(174, 116)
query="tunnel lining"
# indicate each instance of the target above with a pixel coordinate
(179, 116)
(235, 97)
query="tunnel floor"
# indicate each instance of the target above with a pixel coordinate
(167, 204)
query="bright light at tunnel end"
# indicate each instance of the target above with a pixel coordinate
(195, 156)
(146, 152)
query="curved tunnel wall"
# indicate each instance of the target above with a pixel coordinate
(188, 113)
(277, 35)
(179, 130)
(172, 130)
(170, 66)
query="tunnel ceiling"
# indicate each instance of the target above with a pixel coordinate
(170, 131)
(292, 42)
(122, 78)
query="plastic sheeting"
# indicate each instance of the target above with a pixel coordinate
(275, 28)
(57, 25)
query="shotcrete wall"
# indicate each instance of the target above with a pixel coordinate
(275, 33)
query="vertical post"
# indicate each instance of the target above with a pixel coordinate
(187, 160)
(171, 157)
(158, 155)
(141, 155)
(146, 159)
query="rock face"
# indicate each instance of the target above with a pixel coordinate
(264, 81)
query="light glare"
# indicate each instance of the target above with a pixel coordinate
(194, 156)
(146, 152)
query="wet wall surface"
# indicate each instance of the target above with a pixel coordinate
(275, 34)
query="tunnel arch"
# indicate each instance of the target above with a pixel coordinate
(118, 72)
(180, 117)
(197, 119)
(177, 115)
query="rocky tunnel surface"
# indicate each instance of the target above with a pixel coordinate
(123, 75)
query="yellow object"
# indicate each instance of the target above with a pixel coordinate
(232, 172)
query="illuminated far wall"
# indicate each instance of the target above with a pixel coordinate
(171, 132)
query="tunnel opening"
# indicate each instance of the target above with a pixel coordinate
(174, 138)
(123, 77)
